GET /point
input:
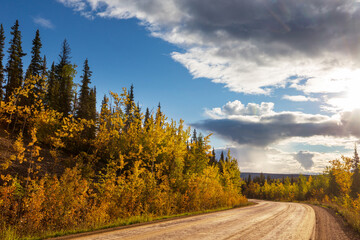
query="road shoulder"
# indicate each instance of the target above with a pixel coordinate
(331, 226)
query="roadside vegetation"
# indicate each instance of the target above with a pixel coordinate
(337, 188)
(66, 167)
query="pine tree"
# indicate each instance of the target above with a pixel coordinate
(36, 67)
(137, 112)
(44, 67)
(355, 159)
(2, 76)
(249, 179)
(52, 96)
(222, 158)
(36, 63)
(84, 108)
(129, 107)
(65, 72)
(194, 137)
(146, 119)
(104, 112)
(14, 66)
(212, 158)
(158, 115)
(92, 112)
(355, 186)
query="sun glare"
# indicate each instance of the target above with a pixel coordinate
(352, 96)
(350, 99)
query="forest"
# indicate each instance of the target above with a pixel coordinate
(337, 188)
(66, 167)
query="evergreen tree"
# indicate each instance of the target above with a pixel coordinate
(146, 119)
(44, 68)
(44, 75)
(212, 158)
(222, 158)
(194, 136)
(104, 112)
(36, 66)
(2, 76)
(355, 178)
(65, 72)
(158, 115)
(129, 107)
(36, 63)
(355, 159)
(249, 179)
(85, 104)
(262, 179)
(14, 66)
(92, 112)
(137, 113)
(52, 97)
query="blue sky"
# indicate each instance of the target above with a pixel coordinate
(275, 81)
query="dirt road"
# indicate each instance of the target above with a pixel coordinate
(266, 220)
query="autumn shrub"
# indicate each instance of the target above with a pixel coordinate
(133, 168)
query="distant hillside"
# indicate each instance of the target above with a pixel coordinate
(245, 175)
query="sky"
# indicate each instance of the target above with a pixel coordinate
(275, 81)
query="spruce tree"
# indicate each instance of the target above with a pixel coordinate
(355, 160)
(44, 67)
(14, 66)
(129, 107)
(355, 178)
(146, 119)
(65, 72)
(194, 136)
(36, 63)
(105, 111)
(2, 75)
(222, 158)
(212, 158)
(43, 74)
(84, 108)
(249, 179)
(158, 115)
(52, 96)
(36, 66)
(137, 112)
(92, 113)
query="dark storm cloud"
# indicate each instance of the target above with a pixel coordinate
(271, 129)
(308, 26)
(305, 159)
(249, 45)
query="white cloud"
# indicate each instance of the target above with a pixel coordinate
(273, 160)
(251, 46)
(300, 98)
(78, 5)
(46, 23)
(236, 109)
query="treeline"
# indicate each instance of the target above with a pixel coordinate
(85, 169)
(337, 187)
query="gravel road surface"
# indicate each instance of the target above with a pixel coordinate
(265, 220)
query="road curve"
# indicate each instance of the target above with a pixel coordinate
(265, 220)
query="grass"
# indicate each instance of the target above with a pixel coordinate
(10, 233)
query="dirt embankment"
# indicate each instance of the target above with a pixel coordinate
(329, 226)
